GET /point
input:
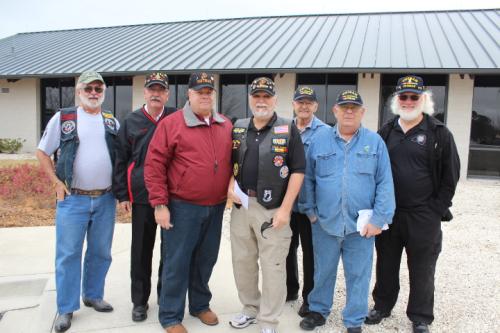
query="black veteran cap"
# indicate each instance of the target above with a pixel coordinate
(201, 80)
(263, 84)
(305, 93)
(349, 97)
(156, 78)
(410, 83)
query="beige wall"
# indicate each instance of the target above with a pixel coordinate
(369, 88)
(138, 91)
(20, 112)
(458, 120)
(285, 87)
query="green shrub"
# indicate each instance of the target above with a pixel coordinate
(11, 146)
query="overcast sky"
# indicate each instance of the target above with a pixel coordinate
(40, 15)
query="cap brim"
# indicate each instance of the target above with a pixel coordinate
(161, 83)
(262, 90)
(416, 91)
(201, 86)
(350, 102)
(92, 80)
(305, 97)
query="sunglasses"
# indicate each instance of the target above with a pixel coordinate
(264, 226)
(88, 89)
(412, 97)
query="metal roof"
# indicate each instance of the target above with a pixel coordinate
(462, 41)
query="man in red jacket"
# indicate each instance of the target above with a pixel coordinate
(187, 172)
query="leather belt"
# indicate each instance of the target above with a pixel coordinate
(252, 193)
(90, 193)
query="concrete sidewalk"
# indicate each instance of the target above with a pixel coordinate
(28, 298)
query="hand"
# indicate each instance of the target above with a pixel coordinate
(126, 205)
(313, 218)
(370, 230)
(61, 190)
(162, 217)
(281, 218)
(231, 195)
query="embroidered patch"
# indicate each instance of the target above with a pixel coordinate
(107, 115)
(268, 196)
(109, 123)
(278, 161)
(366, 149)
(235, 169)
(236, 144)
(283, 129)
(420, 139)
(68, 126)
(284, 171)
(279, 149)
(279, 142)
(68, 116)
(239, 130)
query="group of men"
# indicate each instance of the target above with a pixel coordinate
(331, 189)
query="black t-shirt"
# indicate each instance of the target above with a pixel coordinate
(410, 165)
(295, 158)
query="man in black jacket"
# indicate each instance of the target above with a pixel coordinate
(425, 168)
(128, 185)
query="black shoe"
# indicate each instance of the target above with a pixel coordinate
(420, 328)
(98, 305)
(140, 312)
(375, 317)
(292, 297)
(63, 322)
(304, 310)
(354, 330)
(311, 321)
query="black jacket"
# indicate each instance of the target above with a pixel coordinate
(132, 145)
(444, 163)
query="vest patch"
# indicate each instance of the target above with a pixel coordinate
(278, 161)
(109, 122)
(235, 169)
(283, 129)
(420, 139)
(107, 115)
(239, 130)
(68, 116)
(279, 149)
(284, 171)
(68, 126)
(236, 144)
(268, 196)
(279, 142)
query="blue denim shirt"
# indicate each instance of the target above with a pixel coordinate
(344, 177)
(307, 136)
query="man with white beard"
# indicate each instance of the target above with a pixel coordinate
(268, 165)
(85, 136)
(425, 168)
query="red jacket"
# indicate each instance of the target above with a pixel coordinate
(189, 160)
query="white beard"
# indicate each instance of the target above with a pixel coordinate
(412, 115)
(92, 104)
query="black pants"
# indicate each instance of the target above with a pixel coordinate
(143, 242)
(301, 227)
(420, 233)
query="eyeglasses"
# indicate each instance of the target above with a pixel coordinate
(264, 226)
(412, 97)
(88, 89)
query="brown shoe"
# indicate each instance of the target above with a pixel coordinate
(178, 328)
(208, 317)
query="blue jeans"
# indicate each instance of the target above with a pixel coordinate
(78, 216)
(189, 253)
(357, 257)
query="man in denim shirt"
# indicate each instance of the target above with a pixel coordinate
(348, 171)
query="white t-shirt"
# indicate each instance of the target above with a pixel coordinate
(92, 169)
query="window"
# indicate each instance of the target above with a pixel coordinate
(178, 86)
(327, 88)
(234, 89)
(118, 96)
(438, 84)
(484, 148)
(56, 94)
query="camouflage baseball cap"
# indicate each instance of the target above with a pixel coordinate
(90, 76)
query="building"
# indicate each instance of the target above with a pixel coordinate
(456, 52)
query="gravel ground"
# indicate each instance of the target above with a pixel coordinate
(467, 274)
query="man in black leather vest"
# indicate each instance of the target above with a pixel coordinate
(268, 167)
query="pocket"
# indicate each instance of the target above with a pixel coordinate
(325, 164)
(366, 163)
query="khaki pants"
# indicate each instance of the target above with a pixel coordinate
(248, 248)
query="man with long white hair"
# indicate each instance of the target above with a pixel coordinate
(425, 168)
(85, 136)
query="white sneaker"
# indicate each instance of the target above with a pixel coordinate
(241, 321)
(268, 330)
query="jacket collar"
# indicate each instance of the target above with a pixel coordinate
(192, 120)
